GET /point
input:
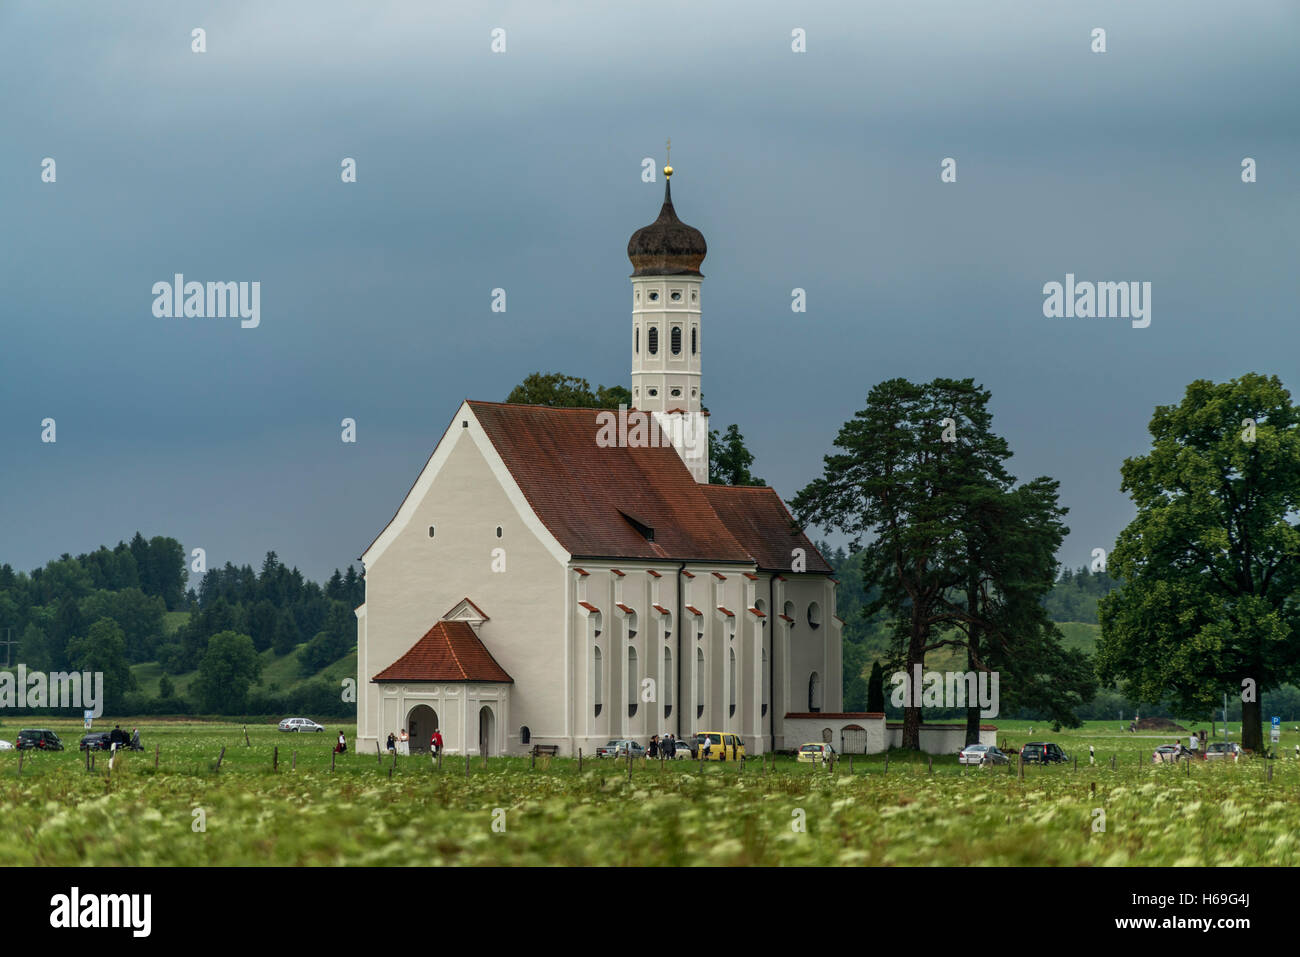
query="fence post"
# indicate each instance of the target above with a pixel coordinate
(886, 762)
(580, 760)
(156, 749)
(220, 756)
(275, 759)
(294, 767)
(333, 754)
(247, 743)
(467, 762)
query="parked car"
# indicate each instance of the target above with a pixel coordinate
(38, 739)
(721, 745)
(981, 754)
(1043, 752)
(1167, 754)
(814, 751)
(300, 724)
(619, 748)
(1219, 750)
(96, 741)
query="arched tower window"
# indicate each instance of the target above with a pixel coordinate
(694, 336)
(599, 682)
(652, 341)
(814, 692)
(675, 340)
(636, 343)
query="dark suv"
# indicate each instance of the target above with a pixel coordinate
(1042, 752)
(38, 739)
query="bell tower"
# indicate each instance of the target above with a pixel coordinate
(666, 335)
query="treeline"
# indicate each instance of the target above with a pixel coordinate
(106, 610)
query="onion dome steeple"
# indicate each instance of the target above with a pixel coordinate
(667, 247)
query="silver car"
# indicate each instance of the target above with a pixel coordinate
(981, 754)
(619, 748)
(300, 724)
(1221, 750)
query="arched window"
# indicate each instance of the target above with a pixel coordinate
(731, 682)
(632, 681)
(694, 336)
(667, 683)
(767, 682)
(525, 736)
(814, 692)
(652, 341)
(788, 610)
(636, 342)
(599, 689)
(675, 340)
(814, 615)
(699, 682)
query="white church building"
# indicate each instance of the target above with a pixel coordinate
(561, 576)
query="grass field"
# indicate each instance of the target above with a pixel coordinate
(57, 812)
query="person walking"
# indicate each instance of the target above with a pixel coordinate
(437, 743)
(670, 747)
(342, 746)
(653, 750)
(392, 743)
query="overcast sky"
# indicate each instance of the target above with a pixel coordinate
(522, 170)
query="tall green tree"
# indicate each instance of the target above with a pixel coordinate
(921, 472)
(1210, 567)
(103, 649)
(730, 460)
(566, 391)
(228, 669)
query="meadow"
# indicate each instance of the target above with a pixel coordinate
(905, 810)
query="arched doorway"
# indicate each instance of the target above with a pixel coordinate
(421, 722)
(853, 739)
(487, 728)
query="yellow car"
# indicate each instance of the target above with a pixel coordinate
(719, 746)
(815, 751)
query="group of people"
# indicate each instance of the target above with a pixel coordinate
(667, 745)
(400, 743)
(118, 738)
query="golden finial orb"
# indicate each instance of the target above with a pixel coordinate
(668, 171)
(668, 159)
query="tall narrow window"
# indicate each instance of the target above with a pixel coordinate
(675, 340)
(631, 682)
(596, 670)
(636, 342)
(694, 334)
(731, 683)
(699, 682)
(652, 341)
(814, 692)
(667, 683)
(767, 682)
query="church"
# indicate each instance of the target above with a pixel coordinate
(560, 576)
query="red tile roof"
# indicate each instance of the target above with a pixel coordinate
(583, 492)
(694, 611)
(449, 651)
(651, 571)
(662, 610)
(728, 613)
(757, 613)
(624, 609)
(589, 606)
(759, 520)
(845, 714)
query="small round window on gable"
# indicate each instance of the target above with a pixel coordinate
(677, 393)
(652, 392)
(654, 297)
(675, 295)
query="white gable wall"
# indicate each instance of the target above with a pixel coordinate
(465, 493)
